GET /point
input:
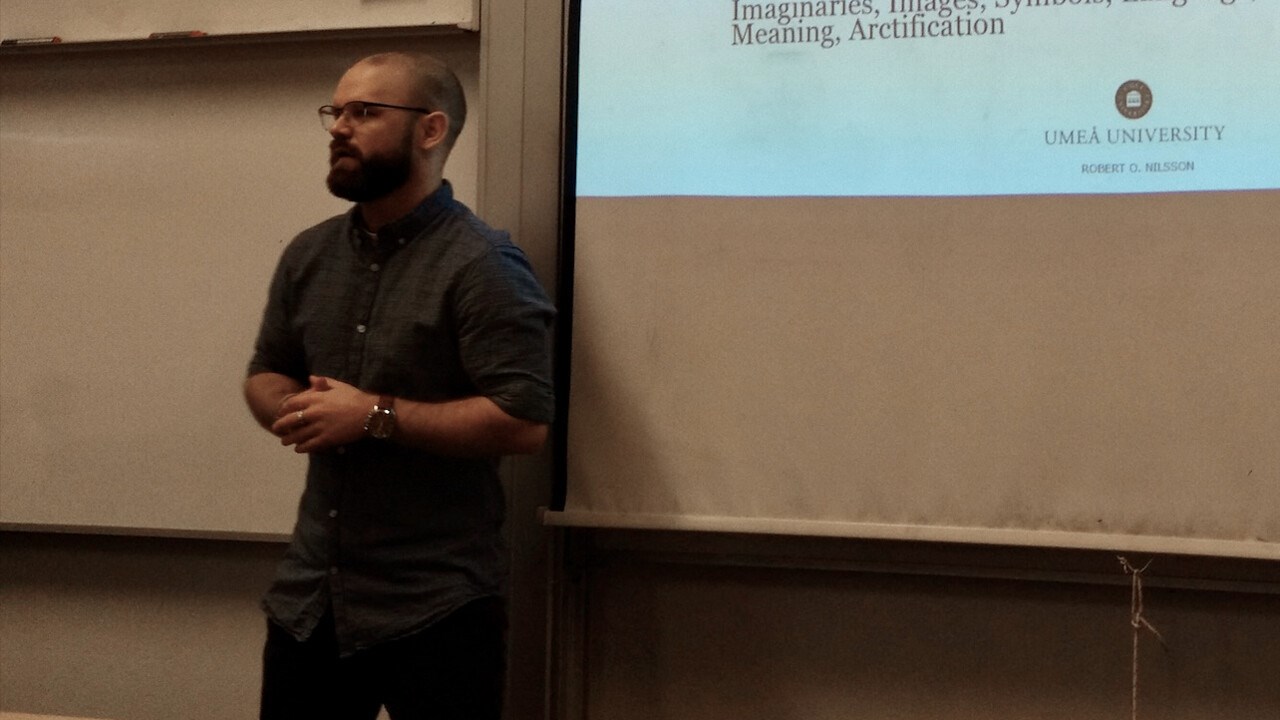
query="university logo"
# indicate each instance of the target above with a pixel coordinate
(1133, 99)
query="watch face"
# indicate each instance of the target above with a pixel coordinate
(382, 423)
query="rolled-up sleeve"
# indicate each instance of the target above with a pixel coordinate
(505, 326)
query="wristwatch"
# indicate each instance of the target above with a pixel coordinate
(381, 421)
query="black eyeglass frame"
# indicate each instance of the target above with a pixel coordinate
(329, 114)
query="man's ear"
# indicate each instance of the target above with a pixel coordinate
(436, 129)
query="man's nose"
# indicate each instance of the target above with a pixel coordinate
(341, 126)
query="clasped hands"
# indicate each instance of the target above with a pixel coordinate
(327, 414)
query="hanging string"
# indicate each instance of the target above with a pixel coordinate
(1138, 621)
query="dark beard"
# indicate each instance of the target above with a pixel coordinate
(374, 177)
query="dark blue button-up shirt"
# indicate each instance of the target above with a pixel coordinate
(438, 307)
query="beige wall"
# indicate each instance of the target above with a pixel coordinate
(519, 167)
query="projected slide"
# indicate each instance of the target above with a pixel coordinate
(927, 97)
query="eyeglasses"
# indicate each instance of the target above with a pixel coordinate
(357, 111)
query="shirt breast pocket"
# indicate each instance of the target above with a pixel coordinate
(417, 358)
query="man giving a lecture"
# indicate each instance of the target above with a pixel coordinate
(404, 348)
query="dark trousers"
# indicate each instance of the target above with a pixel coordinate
(454, 669)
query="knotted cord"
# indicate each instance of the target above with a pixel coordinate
(1138, 621)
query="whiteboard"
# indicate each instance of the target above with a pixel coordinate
(96, 20)
(145, 196)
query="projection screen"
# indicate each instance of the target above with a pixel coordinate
(999, 271)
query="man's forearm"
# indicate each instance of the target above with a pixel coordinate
(330, 413)
(473, 426)
(266, 392)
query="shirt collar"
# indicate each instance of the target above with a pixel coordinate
(398, 233)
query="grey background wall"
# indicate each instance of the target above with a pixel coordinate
(895, 636)
(659, 625)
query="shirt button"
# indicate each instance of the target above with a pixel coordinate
(401, 241)
(374, 267)
(333, 570)
(333, 513)
(342, 451)
(361, 328)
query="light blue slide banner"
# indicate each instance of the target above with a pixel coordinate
(927, 97)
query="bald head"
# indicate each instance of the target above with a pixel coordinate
(431, 84)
